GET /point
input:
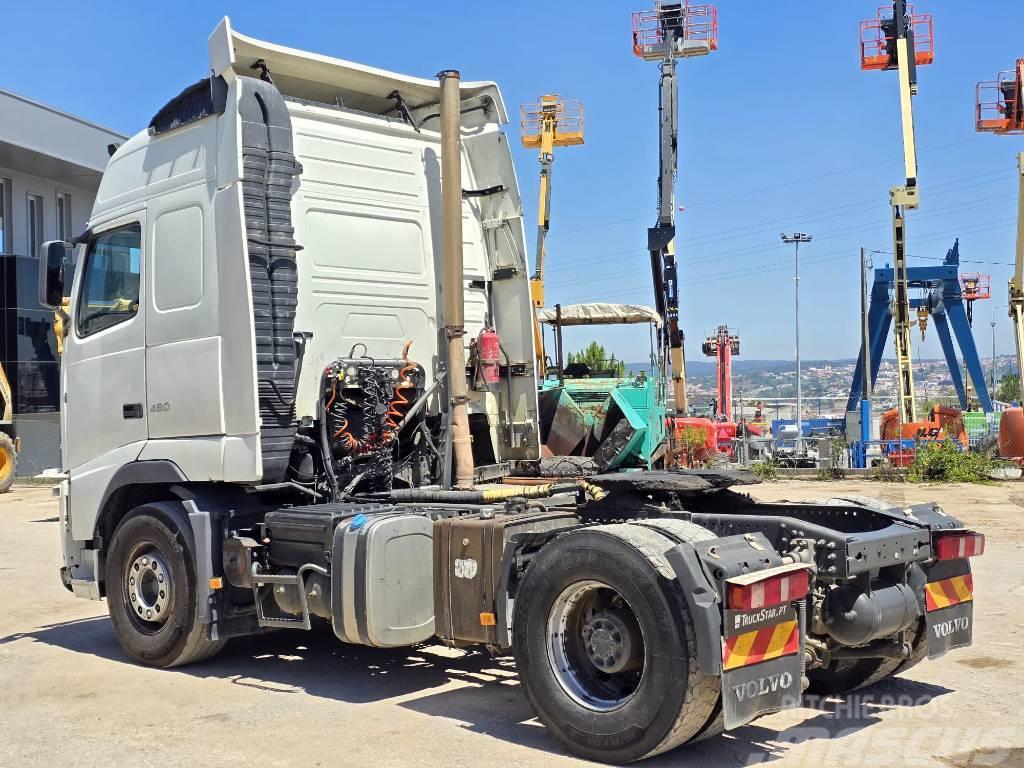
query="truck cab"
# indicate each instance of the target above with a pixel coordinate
(298, 358)
(278, 216)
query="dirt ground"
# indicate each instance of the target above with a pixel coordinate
(290, 698)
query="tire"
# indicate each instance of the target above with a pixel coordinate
(843, 677)
(662, 698)
(151, 589)
(684, 530)
(567, 466)
(8, 462)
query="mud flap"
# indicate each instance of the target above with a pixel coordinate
(949, 609)
(949, 628)
(761, 669)
(760, 688)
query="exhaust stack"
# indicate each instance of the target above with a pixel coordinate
(453, 278)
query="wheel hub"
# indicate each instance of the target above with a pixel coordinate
(595, 646)
(148, 587)
(608, 640)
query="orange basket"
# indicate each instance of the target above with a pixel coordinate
(878, 39)
(999, 103)
(975, 286)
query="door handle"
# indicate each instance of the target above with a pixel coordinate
(132, 410)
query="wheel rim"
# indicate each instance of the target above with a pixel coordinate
(595, 646)
(147, 587)
(5, 462)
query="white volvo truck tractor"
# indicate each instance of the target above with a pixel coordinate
(283, 408)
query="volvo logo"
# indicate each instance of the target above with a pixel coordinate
(763, 685)
(947, 628)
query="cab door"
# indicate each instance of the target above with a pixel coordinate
(104, 366)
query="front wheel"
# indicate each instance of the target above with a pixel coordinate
(151, 589)
(8, 461)
(605, 647)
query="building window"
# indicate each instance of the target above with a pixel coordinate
(35, 224)
(5, 215)
(64, 216)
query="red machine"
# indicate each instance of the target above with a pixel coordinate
(942, 423)
(722, 346)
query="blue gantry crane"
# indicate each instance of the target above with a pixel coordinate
(947, 299)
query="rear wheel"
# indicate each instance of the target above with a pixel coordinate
(605, 647)
(151, 589)
(8, 461)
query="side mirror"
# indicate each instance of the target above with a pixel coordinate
(52, 255)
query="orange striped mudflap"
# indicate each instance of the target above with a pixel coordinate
(761, 645)
(942, 594)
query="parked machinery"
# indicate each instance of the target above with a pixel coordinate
(947, 298)
(722, 346)
(8, 440)
(999, 109)
(550, 122)
(669, 32)
(898, 39)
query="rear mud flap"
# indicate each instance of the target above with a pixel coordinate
(949, 628)
(761, 669)
(760, 688)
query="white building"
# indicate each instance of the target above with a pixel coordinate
(50, 168)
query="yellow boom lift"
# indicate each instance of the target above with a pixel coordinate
(901, 41)
(551, 122)
(1000, 109)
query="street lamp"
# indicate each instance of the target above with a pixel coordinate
(992, 375)
(795, 239)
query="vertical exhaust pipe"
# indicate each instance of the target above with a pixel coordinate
(452, 287)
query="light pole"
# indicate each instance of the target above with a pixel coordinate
(795, 239)
(992, 375)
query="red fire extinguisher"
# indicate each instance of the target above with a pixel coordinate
(488, 348)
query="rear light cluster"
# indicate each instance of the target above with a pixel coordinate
(957, 546)
(773, 590)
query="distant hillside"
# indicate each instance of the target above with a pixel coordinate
(706, 367)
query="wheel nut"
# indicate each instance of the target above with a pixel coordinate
(160, 578)
(133, 597)
(145, 561)
(149, 614)
(162, 594)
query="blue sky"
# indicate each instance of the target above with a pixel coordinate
(780, 131)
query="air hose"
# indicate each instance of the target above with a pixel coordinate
(489, 495)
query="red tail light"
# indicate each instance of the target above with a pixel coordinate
(957, 546)
(773, 590)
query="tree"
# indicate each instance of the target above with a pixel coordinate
(594, 357)
(1008, 388)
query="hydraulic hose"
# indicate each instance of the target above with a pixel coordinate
(490, 495)
(325, 446)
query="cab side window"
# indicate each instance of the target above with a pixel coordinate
(110, 280)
